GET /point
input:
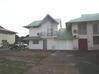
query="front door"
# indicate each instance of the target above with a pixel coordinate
(45, 44)
(83, 44)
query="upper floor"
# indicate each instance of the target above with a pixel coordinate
(85, 28)
(47, 27)
(86, 24)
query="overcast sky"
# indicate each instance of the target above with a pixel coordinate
(14, 14)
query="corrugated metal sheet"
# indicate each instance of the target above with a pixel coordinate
(85, 18)
(37, 23)
(5, 30)
(32, 38)
(65, 34)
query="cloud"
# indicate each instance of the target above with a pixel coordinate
(17, 13)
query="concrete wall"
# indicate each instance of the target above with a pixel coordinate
(75, 41)
(36, 46)
(53, 44)
(9, 37)
(89, 35)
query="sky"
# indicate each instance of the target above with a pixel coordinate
(14, 14)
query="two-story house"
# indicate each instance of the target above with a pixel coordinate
(85, 31)
(44, 35)
(6, 36)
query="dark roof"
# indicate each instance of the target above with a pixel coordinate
(39, 22)
(6, 31)
(86, 18)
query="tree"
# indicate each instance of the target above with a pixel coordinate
(16, 39)
(21, 39)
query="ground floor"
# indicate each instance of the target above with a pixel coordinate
(84, 43)
(51, 44)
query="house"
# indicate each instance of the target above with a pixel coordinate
(6, 36)
(44, 35)
(85, 31)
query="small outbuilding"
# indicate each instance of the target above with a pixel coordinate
(6, 36)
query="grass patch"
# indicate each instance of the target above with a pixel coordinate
(14, 67)
(8, 66)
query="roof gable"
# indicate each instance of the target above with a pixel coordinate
(48, 18)
(40, 22)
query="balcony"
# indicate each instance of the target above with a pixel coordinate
(48, 35)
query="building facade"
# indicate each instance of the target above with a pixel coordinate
(44, 35)
(85, 31)
(6, 36)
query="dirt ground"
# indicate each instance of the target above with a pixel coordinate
(67, 62)
(56, 62)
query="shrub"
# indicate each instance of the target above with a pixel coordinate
(5, 44)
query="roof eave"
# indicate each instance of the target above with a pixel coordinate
(8, 32)
(30, 27)
(81, 21)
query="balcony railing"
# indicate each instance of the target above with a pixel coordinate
(53, 34)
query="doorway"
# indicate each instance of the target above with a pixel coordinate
(45, 44)
(83, 44)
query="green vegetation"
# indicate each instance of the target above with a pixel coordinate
(19, 40)
(24, 60)
(18, 65)
(14, 67)
(4, 44)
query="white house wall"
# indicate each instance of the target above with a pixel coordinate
(34, 31)
(53, 44)
(90, 35)
(36, 46)
(43, 28)
(75, 41)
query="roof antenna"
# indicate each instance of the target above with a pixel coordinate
(60, 24)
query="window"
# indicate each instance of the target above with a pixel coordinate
(96, 29)
(82, 29)
(38, 34)
(96, 40)
(4, 41)
(35, 42)
(49, 31)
